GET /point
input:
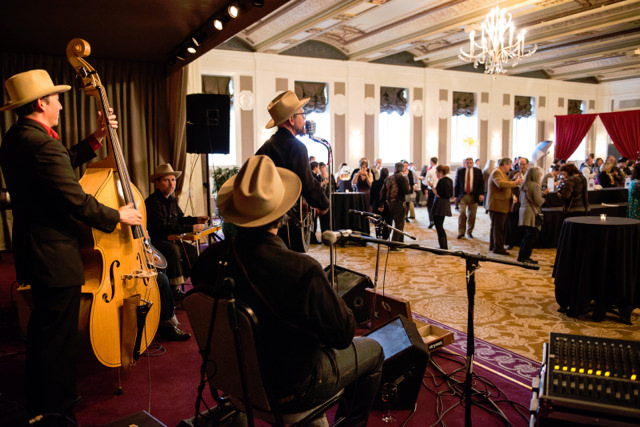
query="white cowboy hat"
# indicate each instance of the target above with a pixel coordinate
(284, 106)
(163, 170)
(259, 194)
(25, 87)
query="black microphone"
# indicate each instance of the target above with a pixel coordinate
(362, 213)
(310, 127)
(330, 238)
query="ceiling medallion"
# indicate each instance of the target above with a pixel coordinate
(497, 47)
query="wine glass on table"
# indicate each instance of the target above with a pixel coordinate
(389, 394)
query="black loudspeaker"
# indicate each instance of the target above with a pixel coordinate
(405, 360)
(351, 287)
(208, 123)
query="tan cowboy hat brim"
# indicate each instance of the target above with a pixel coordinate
(284, 106)
(26, 87)
(234, 201)
(156, 176)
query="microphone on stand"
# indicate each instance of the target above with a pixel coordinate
(310, 127)
(330, 238)
(367, 214)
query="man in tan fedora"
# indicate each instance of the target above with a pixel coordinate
(311, 352)
(164, 217)
(288, 152)
(47, 202)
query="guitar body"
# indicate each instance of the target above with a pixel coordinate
(297, 232)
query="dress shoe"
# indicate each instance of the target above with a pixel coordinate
(527, 260)
(460, 236)
(500, 252)
(407, 220)
(509, 247)
(178, 295)
(396, 250)
(431, 225)
(173, 333)
(470, 235)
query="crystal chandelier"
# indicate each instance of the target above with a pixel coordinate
(495, 50)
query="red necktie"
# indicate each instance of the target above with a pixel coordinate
(467, 187)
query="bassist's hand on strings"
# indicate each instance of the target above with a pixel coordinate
(129, 215)
(101, 131)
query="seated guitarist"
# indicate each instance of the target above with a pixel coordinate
(288, 152)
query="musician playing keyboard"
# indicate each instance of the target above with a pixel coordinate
(164, 217)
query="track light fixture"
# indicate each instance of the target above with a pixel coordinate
(257, 3)
(217, 24)
(233, 10)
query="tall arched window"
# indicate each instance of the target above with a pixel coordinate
(394, 125)
(464, 127)
(317, 109)
(525, 130)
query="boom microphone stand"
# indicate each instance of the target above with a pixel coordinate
(310, 128)
(472, 264)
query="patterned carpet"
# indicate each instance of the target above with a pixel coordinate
(515, 308)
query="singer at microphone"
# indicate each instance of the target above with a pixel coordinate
(330, 238)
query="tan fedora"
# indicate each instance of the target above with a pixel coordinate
(284, 106)
(25, 87)
(259, 194)
(163, 170)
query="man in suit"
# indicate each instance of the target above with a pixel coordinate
(469, 191)
(500, 199)
(48, 202)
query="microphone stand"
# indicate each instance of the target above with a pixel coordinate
(472, 264)
(310, 127)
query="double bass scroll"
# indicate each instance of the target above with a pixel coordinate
(119, 266)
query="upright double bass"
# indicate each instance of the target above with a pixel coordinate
(120, 275)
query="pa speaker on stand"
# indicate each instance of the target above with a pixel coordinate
(208, 123)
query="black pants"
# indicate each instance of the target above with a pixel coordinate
(396, 209)
(513, 233)
(496, 239)
(357, 369)
(431, 197)
(442, 236)
(166, 296)
(51, 350)
(180, 257)
(529, 237)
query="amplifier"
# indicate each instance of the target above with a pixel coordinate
(587, 380)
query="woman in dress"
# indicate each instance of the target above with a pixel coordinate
(634, 193)
(442, 204)
(363, 179)
(531, 200)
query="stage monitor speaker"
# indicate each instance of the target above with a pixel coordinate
(208, 123)
(351, 287)
(405, 360)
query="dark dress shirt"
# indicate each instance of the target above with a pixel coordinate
(303, 313)
(164, 217)
(288, 152)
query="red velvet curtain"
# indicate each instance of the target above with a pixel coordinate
(624, 129)
(570, 130)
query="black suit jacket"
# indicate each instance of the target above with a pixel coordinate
(477, 189)
(47, 202)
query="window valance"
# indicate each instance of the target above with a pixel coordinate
(523, 107)
(393, 99)
(464, 104)
(317, 94)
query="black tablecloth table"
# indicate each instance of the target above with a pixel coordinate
(598, 262)
(604, 195)
(553, 217)
(342, 219)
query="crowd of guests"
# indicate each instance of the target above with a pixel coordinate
(511, 191)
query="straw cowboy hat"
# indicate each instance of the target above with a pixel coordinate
(259, 194)
(25, 87)
(284, 106)
(164, 170)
